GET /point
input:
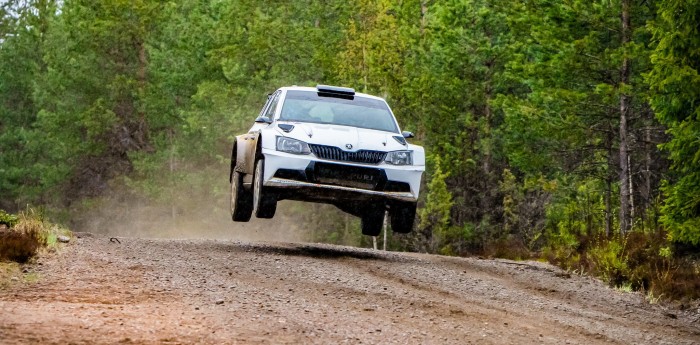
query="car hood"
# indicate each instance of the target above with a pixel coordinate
(345, 137)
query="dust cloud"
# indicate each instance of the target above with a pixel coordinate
(189, 216)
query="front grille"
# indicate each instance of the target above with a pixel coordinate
(336, 154)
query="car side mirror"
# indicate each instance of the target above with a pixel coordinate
(263, 119)
(407, 134)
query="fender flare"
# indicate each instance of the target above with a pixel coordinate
(233, 160)
(235, 155)
(258, 146)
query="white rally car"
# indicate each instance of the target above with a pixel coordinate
(332, 145)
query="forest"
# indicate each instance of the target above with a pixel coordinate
(559, 130)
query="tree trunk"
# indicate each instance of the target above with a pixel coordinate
(608, 211)
(386, 217)
(364, 64)
(141, 76)
(487, 115)
(625, 220)
(609, 178)
(171, 161)
(633, 213)
(423, 15)
(647, 170)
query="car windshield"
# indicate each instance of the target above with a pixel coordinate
(357, 111)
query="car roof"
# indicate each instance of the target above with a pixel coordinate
(313, 89)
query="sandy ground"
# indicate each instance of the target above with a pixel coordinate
(142, 291)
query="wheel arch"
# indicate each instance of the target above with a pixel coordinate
(233, 160)
(258, 147)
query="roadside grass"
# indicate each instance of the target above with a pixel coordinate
(626, 288)
(24, 236)
(12, 273)
(639, 261)
(653, 299)
(9, 272)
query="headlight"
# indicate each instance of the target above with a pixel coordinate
(399, 158)
(292, 146)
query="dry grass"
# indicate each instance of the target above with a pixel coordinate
(639, 261)
(509, 247)
(21, 242)
(9, 271)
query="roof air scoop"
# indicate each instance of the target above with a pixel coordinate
(335, 91)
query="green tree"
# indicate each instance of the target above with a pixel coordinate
(468, 45)
(585, 118)
(366, 59)
(23, 29)
(675, 85)
(435, 216)
(92, 116)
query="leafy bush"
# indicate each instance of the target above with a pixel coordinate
(609, 259)
(8, 219)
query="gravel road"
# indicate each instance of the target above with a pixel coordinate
(144, 291)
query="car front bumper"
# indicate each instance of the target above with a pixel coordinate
(314, 178)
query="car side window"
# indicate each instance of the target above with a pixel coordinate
(267, 103)
(270, 111)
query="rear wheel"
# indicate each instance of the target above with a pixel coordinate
(264, 202)
(241, 200)
(372, 220)
(402, 214)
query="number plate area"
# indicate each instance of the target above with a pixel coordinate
(348, 176)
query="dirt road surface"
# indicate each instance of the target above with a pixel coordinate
(141, 291)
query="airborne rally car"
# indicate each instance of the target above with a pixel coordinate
(331, 145)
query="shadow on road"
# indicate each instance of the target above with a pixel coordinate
(318, 251)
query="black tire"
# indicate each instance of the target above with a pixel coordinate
(264, 202)
(372, 220)
(403, 215)
(241, 200)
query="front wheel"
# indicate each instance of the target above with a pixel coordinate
(264, 202)
(241, 200)
(403, 214)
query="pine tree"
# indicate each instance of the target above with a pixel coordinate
(675, 84)
(23, 29)
(586, 115)
(90, 98)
